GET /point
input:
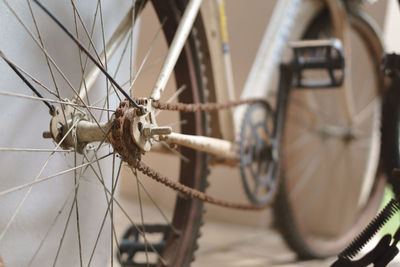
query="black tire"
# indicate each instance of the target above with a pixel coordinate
(179, 249)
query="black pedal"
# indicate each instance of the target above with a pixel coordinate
(133, 248)
(318, 63)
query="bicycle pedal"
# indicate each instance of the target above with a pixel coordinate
(138, 248)
(318, 63)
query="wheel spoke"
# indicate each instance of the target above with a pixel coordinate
(14, 149)
(165, 217)
(172, 98)
(141, 215)
(30, 76)
(53, 62)
(306, 176)
(4, 231)
(45, 55)
(53, 101)
(124, 211)
(78, 228)
(60, 211)
(149, 49)
(109, 203)
(365, 113)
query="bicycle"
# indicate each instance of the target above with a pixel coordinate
(198, 54)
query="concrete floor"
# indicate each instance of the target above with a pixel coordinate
(232, 245)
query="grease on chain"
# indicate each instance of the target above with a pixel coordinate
(181, 188)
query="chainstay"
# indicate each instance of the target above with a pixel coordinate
(206, 106)
(193, 193)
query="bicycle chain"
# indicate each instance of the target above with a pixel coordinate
(133, 157)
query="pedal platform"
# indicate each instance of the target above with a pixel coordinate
(318, 63)
(137, 248)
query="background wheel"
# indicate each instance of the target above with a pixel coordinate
(331, 182)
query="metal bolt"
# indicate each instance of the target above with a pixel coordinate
(151, 131)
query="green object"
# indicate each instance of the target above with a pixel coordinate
(391, 226)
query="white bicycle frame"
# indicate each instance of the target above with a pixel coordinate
(259, 80)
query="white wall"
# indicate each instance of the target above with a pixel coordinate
(392, 26)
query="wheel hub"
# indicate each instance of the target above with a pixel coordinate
(134, 132)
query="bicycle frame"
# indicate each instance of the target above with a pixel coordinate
(226, 123)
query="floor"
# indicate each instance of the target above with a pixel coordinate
(219, 246)
(224, 245)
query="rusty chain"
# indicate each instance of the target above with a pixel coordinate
(179, 187)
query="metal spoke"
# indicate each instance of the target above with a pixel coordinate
(312, 108)
(312, 165)
(53, 101)
(112, 210)
(4, 231)
(300, 141)
(53, 62)
(146, 69)
(174, 151)
(78, 43)
(173, 97)
(45, 55)
(316, 196)
(141, 215)
(156, 205)
(40, 180)
(83, 66)
(30, 76)
(78, 228)
(65, 230)
(365, 113)
(125, 213)
(109, 203)
(89, 36)
(106, 67)
(109, 92)
(149, 49)
(14, 149)
(51, 226)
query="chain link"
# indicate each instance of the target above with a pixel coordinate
(205, 106)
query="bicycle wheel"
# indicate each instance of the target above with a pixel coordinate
(59, 208)
(331, 185)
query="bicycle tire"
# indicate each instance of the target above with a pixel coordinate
(186, 218)
(313, 233)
